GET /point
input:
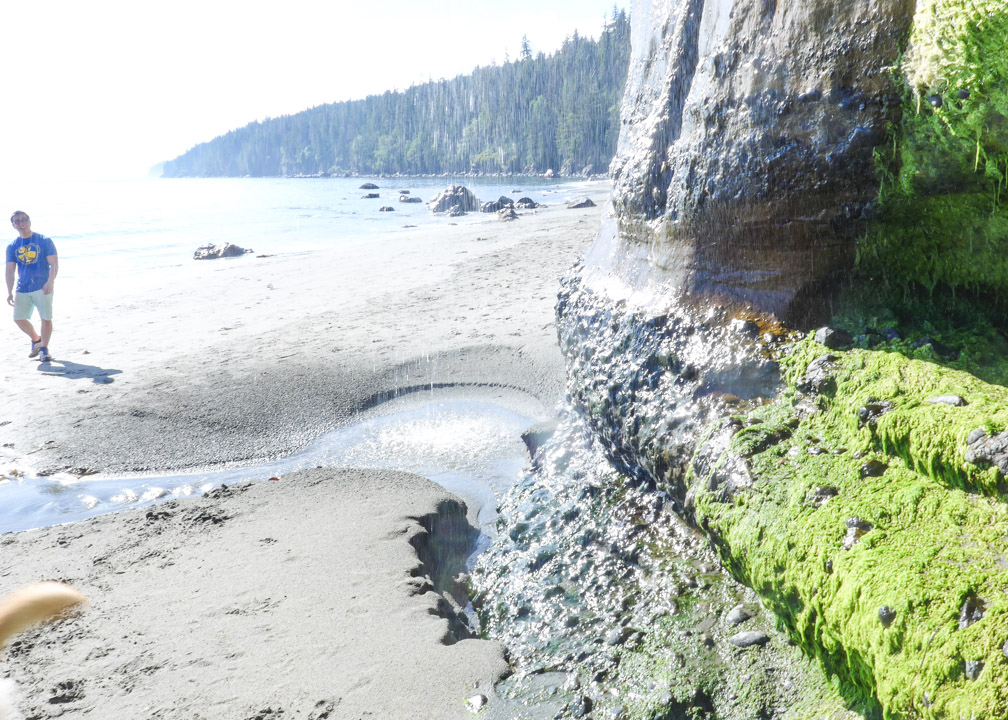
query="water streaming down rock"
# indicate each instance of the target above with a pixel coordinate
(606, 598)
(745, 163)
(747, 174)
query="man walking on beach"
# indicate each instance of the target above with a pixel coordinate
(35, 258)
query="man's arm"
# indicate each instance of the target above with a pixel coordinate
(53, 261)
(10, 283)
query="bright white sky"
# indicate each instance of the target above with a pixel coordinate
(109, 88)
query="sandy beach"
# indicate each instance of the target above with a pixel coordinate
(313, 596)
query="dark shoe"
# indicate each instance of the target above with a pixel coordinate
(44, 355)
(35, 347)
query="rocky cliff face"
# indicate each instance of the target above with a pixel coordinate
(770, 153)
(745, 164)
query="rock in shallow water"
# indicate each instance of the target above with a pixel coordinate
(502, 203)
(457, 198)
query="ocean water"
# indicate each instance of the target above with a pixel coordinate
(142, 230)
(146, 225)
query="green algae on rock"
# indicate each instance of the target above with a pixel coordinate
(869, 535)
(942, 216)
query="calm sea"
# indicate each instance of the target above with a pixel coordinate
(151, 224)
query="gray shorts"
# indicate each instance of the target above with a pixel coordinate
(24, 304)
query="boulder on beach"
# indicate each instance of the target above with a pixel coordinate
(497, 205)
(581, 202)
(527, 203)
(210, 252)
(386, 208)
(457, 197)
(409, 199)
(506, 214)
(371, 196)
(368, 186)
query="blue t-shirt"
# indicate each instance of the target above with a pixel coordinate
(30, 256)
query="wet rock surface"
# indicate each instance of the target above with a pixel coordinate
(818, 377)
(833, 338)
(598, 583)
(748, 142)
(612, 606)
(649, 381)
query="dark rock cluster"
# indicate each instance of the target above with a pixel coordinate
(501, 203)
(211, 252)
(987, 449)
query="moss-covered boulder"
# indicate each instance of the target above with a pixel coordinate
(870, 529)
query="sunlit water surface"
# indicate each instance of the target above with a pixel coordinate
(471, 447)
(119, 229)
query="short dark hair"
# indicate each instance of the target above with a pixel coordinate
(16, 213)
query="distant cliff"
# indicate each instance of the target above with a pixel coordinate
(558, 112)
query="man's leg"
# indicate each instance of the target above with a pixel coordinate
(24, 305)
(28, 329)
(44, 305)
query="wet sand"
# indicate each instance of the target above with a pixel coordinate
(297, 598)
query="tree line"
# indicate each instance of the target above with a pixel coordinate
(540, 112)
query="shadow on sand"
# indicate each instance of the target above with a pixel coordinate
(76, 371)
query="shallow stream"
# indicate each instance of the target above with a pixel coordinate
(471, 445)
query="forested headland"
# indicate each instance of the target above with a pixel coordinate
(541, 112)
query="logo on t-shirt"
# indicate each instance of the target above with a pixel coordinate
(29, 254)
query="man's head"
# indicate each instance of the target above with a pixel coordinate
(21, 223)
